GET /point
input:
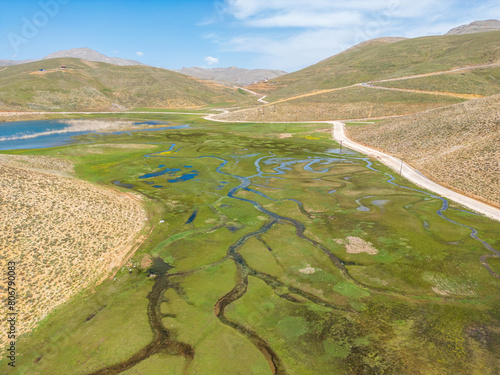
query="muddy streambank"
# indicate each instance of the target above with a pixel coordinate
(163, 341)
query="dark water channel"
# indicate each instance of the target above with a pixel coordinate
(320, 164)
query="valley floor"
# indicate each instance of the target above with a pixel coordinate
(275, 252)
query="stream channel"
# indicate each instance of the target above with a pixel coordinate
(316, 165)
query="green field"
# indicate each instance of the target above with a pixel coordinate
(260, 264)
(480, 82)
(375, 61)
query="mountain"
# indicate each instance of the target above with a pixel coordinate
(90, 85)
(232, 75)
(88, 54)
(458, 145)
(383, 60)
(14, 62)
(476, 27)
(383, 78)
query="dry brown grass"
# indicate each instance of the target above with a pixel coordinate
(348, 103)
(64, 234)
(38, 163)
(21, 116)
(458, 146)
(101, 148)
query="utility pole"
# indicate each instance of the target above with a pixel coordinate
(340, 147)
(401, 168)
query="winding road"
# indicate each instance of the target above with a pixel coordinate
(261, 98)
(371, 86)
(437, 93)
(413, 175)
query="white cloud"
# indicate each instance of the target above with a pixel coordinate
(139, 53)
(294, 52)
(247, 9)
(290, 34)
(211, 60)
(308, 19)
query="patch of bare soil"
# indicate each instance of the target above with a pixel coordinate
(308, 270)
(356, 245)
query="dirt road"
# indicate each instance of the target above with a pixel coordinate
(369, 85)
(338, 133)
(261, 98)
(472, 67)
(437, 93)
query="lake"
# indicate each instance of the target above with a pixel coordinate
(52, 133)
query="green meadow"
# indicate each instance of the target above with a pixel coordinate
(273, 251)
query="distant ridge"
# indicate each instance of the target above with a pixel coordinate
(88, 54)
(232, 75)
(14, 62)
(476, 27)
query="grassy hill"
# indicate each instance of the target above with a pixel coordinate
(484, 81)
(85, 85)
(382, 60)
(458, 146)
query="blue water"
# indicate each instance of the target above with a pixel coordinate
(19, 128)
(160, 173)
(315, 165)
(121, 184)
(151, 123)
(192, 217)
(9, 131)
(43, 133)
(184, 177)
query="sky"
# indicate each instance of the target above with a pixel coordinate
(270, 34)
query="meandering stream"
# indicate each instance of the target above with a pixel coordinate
(316, 165)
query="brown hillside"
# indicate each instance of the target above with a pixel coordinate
(94, 86)
(378, 60)
(64, 234)
(341, 104)
(458, 146)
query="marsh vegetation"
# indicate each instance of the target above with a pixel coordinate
(263, 263)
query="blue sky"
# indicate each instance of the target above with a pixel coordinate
(277, 34)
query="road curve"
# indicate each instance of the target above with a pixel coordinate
(261, 99)
(338, 133)
(411, 174)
